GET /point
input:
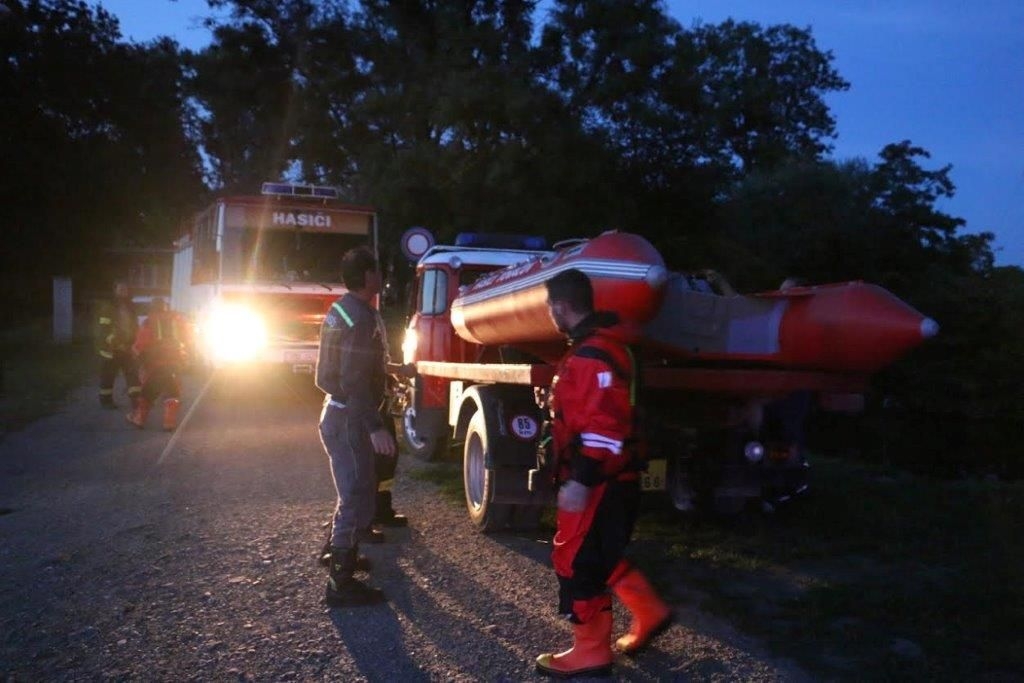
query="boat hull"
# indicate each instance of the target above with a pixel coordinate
(509, 306)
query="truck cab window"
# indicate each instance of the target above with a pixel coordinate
(434, 292)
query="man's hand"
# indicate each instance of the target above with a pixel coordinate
(572, 497)
(405, 371)
(383, 442)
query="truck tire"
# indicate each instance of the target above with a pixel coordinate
(526, 517)
(478, 481)
(428, 449)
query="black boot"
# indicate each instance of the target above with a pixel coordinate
(363, 563)
(107, 401)
(385, 514)
(370, 535)
(367, 535)
(342, 589)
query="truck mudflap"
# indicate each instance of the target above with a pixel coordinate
(512, 422)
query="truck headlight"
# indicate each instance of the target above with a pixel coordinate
(234, 333)
(409, 346)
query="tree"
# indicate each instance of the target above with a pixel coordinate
(99, 159)
(686, 112)
(247, 89)
(459, 134)
(764, 88)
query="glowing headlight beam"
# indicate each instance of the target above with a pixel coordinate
(234, 333)
(409, 346)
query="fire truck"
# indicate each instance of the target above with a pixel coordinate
(256, 274)
(728, 380)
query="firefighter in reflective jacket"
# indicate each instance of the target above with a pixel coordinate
(597, 460)
(113, 336)
(161, 349)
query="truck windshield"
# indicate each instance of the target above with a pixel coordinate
(285, 255)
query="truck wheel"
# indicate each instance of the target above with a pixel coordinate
(526, 517)
(422, 447)
(679, 486)
(478, 481)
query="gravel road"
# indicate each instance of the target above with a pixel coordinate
(123, 560)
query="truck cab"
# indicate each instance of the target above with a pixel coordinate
(442, 272)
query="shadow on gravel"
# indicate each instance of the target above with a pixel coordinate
(372, 649)
(533, 545)
(469, 624)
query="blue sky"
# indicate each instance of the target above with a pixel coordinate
(946, 74)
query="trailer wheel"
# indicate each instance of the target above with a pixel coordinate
(679, 486)
(425, 448)
(478, 481)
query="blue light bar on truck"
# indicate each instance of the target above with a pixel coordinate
(299, 190)
(500, 240)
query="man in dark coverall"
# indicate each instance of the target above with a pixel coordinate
(351, 372)
(597, 458)
(113, 335)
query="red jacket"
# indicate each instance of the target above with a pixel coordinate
(591, 404)
(162, 340)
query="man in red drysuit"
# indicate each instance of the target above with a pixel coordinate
(597, 457)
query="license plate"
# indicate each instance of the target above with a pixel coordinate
(300, 356)
(654, 478)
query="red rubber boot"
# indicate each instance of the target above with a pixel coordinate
(171, 406)
(651, 616)
(138, 416)
(590, 654)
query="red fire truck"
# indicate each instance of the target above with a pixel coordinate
(257, 273)
(728, 379)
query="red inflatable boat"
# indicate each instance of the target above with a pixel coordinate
(510, 306)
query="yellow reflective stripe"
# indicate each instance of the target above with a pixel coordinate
(341, 311)
(105, 321)
(134, 390)
(106, 354)
(106, 392)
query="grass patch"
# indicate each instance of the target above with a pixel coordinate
(38, 374)
(879, 575)
(447, 476)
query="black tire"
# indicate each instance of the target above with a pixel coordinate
(428, 449)
(679, 487)
(478, 481)
(527, 517)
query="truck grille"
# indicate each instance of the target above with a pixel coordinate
(296, 332)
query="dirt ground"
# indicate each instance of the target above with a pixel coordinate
(190, 556)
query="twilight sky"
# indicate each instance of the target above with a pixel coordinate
(946, 74)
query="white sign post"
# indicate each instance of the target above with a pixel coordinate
(62, 314)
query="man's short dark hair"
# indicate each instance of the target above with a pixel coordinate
(573, 287)
(354, 266)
